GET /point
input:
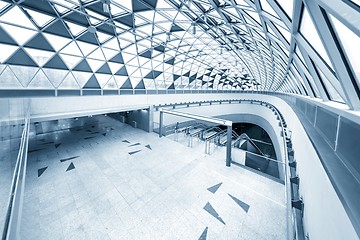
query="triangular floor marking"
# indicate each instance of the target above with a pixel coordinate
(57, 145)
(67, 159)
(212, 211)
(243, 205)
(131, 153)
(135, 144)
(148, 146)
(70, 167)
(214, 188)
(204, 234)
(41, 171)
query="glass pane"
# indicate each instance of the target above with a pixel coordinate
(17, 17)
(267, 8)
(39, 18)
(40, 81)
(298, 53)
(351, 43)
(287, 5)
(308, 30)
(285, 33)
(21, 35)
(39, 56)
(313, 85)
(6, 52)
(357, 2)
(75, 29)
(69, 83)
(333, 93)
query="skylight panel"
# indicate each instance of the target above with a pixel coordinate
(3, 5)
(75, 29)
(67, 3)
(254, 15)
(6, 51)
(163, 5)
(81, 77)
(21, 35)
(285, 33)
(131, 49)
(109, 53)
(160, 18)
(170, 13)
(331, 90)
(298, 53)
(115, 10)
(113, 44)
(102, 78)
(124, 43)
(162, 37)
(72, 49)
(181, 17)
(114, 67)
(267, 8)
(60, 9)
(139, 21)
(141, 48)
(16, 16)
(350, 42)
(128, 37)
(96, 17)
(102, 36)
(94, 64)
(287, 6)
(125, 4)
(308, 30)
(39, 18)
(97, 54)
(40, 56)
(86, 48)
(164, 25)
(70, 61)
(136, 77)
(148, 15)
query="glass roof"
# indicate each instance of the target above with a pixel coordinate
(176, 44)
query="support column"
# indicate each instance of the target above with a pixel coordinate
(151, 118)
(228, 146)
(161, 123)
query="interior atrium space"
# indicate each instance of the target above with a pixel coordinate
(180, 119)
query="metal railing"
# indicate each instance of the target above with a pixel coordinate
(13, 216)
(244, 136)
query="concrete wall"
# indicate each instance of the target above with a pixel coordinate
(139, 119)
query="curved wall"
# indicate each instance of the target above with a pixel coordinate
(243, 112)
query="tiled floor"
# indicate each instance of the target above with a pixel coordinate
(112, 181)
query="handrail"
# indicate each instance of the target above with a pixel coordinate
(245, 136)
(12, 222)
(290, 216)
(224, 133)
